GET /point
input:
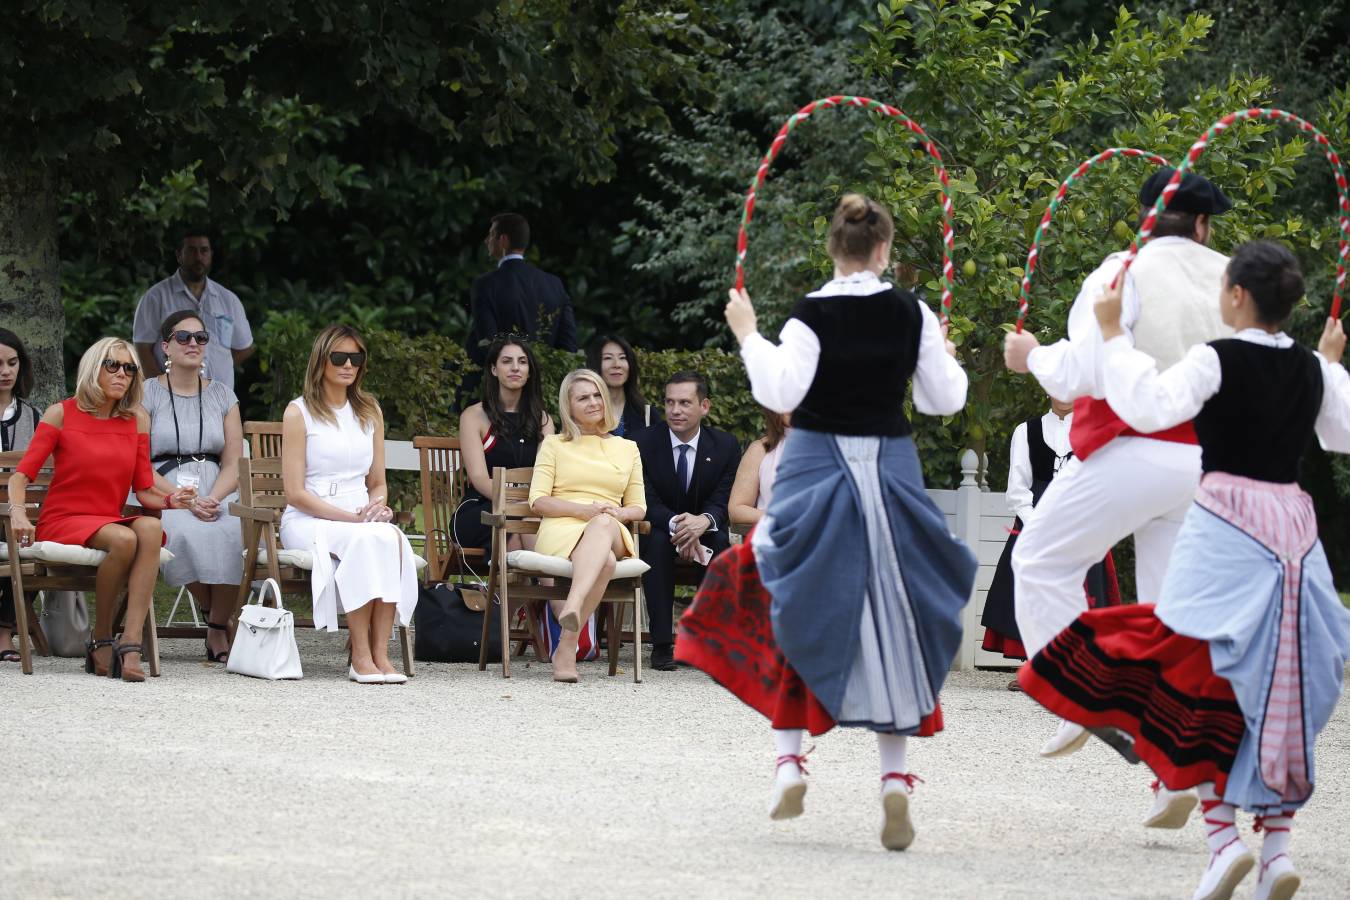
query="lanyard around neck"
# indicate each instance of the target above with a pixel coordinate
(177, 435)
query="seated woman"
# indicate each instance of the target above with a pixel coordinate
(587, 487)
(332, 459)
(99, 441)
(617, 363)
(196, 440)
(753, 488)
(503, 431)
(18, 421)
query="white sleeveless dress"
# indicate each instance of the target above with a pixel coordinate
(354, 562)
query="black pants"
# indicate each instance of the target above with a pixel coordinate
(6, 603)
(659, 582)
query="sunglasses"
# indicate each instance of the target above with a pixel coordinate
(182, 337)
(111, 366)
(339, 358)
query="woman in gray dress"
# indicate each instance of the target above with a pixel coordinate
(196, 439)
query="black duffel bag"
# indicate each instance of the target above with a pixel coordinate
(447, 629)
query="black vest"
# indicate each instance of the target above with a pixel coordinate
(1043, 459)
(1262, 420)
(869, 347)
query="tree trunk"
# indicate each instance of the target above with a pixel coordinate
(30, 275)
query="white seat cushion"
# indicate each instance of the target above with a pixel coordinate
(543, 564)
(303, 559)
(67, 554)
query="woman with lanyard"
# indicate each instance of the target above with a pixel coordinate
(196, 439)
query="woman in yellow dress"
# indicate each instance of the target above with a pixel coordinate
(587, 487)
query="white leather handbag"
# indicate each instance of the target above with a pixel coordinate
(264, 642)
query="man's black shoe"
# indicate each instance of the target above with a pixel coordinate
(663, 657)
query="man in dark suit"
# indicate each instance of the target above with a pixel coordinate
(517, 298)
(688, 469)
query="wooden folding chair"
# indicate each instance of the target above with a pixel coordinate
(264, 439)
(513, 576)
(261, 501)
(443, 482)
(51, 567)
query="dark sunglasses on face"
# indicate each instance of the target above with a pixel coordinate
(112, 365)
(339, 358)
(182, 337)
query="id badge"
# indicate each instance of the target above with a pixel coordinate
(187, 479)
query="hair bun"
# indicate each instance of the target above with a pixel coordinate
(853, 207)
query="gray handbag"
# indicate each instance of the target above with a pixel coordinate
(65, 621)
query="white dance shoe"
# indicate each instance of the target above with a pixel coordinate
(353, 675)
(1068, 738)
(897, 830)
(1277, 880)
(1171, 809)
(788, 796)
(1226, 870)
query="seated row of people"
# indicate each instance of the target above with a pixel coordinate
(179, 438)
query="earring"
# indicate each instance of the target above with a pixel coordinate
(202, 372)
(168, 365)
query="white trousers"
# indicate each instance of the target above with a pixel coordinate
(1133, 485)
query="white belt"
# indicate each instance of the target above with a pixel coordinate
(334, 488)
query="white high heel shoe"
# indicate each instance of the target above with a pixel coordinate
(353, 675)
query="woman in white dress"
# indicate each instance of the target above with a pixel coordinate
(332, 456)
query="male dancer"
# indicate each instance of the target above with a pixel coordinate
(1120, 482)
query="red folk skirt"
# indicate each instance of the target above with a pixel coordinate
(1121, 667)
(727, 633)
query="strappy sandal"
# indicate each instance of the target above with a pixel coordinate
(223, 655)
(90, 663)
(120, 671)
(10, 655)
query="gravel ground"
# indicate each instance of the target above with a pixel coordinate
(203, 784)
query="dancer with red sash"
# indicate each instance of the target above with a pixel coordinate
(1120, 482)
(858, 615)
(1225, 684)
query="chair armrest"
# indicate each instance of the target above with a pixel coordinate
(741, 528)
(404, 518)
(253, 513)
(492, 519)
(642, 526)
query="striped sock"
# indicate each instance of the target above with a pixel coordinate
(1220, 831)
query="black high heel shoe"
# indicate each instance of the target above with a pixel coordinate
(222, 656)
(118, 670)
(90, 664)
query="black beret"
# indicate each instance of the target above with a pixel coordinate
(1196, 194)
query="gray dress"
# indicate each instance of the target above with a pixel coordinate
(208, 552)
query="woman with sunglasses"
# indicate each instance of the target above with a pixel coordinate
(332, 457)
(99, 441)
(196, 439)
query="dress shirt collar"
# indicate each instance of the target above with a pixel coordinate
(1279, 339)
(675, 442)
(859, 284)
(177, 284)
(507, 258)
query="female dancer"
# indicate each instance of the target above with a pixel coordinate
(1225, 684)
(867, 584)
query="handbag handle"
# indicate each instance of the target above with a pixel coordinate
(276, 592)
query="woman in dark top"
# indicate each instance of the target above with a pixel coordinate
(18, 420)
(1225, 683)
(866, 582)
(617, 363)
(503, 431)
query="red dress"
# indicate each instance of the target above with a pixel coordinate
(97, 463)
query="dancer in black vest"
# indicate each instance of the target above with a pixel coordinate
(1029, 445)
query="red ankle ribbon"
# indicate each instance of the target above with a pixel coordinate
(908, 778)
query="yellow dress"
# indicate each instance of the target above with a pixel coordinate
(589, 469)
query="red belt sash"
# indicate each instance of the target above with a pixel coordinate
(1095, 424)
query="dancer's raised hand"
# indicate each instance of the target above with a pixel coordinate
(1016, 348)
(1107, 309)
(1332, 344)
(740, 314)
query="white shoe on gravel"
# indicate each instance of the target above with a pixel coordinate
(897, 830)
(1171, 809)
(1226, 870)
(788, 796)
(1068, 738)
(1277, 880)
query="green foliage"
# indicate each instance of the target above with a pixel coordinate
(1011, 125)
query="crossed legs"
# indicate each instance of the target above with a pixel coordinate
(593, 562)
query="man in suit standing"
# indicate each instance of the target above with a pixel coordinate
(688, 469)
(517, 298)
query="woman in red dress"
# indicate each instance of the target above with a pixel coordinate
(99, 441)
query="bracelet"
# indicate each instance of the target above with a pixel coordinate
(168, 501)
